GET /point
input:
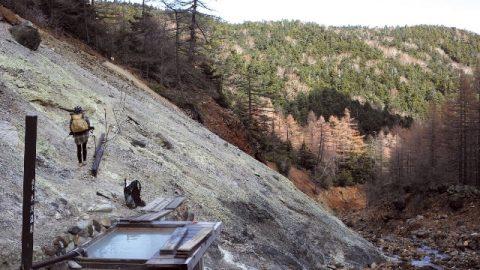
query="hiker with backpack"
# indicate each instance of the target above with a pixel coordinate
(79, 128)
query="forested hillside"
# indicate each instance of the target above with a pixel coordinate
(321, 96)
(395, 109)
(376, 73)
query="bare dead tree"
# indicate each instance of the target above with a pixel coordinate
(193, 8)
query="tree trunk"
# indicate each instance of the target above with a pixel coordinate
(477, 90)
(85, 21)
(193, 35)
(143, 9)
(177, 49)
(249, 93)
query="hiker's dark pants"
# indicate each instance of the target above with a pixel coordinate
(82, 149)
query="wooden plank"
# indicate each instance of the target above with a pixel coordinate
(151, 216)
(152, 224)
(199, 265)
(162, 205)
(193, 260)
(190, 244)
(174, 241)
(166, 263)
(151, 205)
(176, 202)
(124, 264)
(100, 149)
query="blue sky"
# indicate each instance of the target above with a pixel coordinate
(463, 14)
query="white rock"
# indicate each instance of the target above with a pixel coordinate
(70, 246)
(104, 208)
(74, 265)
(8, 134)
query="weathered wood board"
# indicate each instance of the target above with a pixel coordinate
(153, 204)
(176, 202)
(175, 240)
(161, 203)
(195, 240)
(151, 216)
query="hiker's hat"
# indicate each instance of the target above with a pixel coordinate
(77, 109)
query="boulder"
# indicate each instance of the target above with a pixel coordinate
(106, 222)
(399, 204)
(455, 202)
(60, 242)
(421, 233)
(79, 240)
(74, 230)
(97, 225)
(26, 35)
(83, 224)
(49, 250)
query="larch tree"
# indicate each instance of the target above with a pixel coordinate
(464, 106)
(476, 87)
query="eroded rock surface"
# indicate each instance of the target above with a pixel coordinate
(268, 223)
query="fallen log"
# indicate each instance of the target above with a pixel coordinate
(99, 150)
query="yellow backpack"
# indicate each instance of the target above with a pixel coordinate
(78, 123)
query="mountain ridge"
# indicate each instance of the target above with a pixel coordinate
(399, 69)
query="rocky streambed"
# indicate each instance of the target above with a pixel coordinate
(441, 232)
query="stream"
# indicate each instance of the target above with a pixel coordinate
(430, 255)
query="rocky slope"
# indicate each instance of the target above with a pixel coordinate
(268, 223)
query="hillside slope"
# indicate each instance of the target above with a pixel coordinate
(373, 71)
(268, 223)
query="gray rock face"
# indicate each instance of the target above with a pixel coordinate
(26, 35)
(8, 134)
(268, 223)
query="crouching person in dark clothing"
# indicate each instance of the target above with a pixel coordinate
(79, 128)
